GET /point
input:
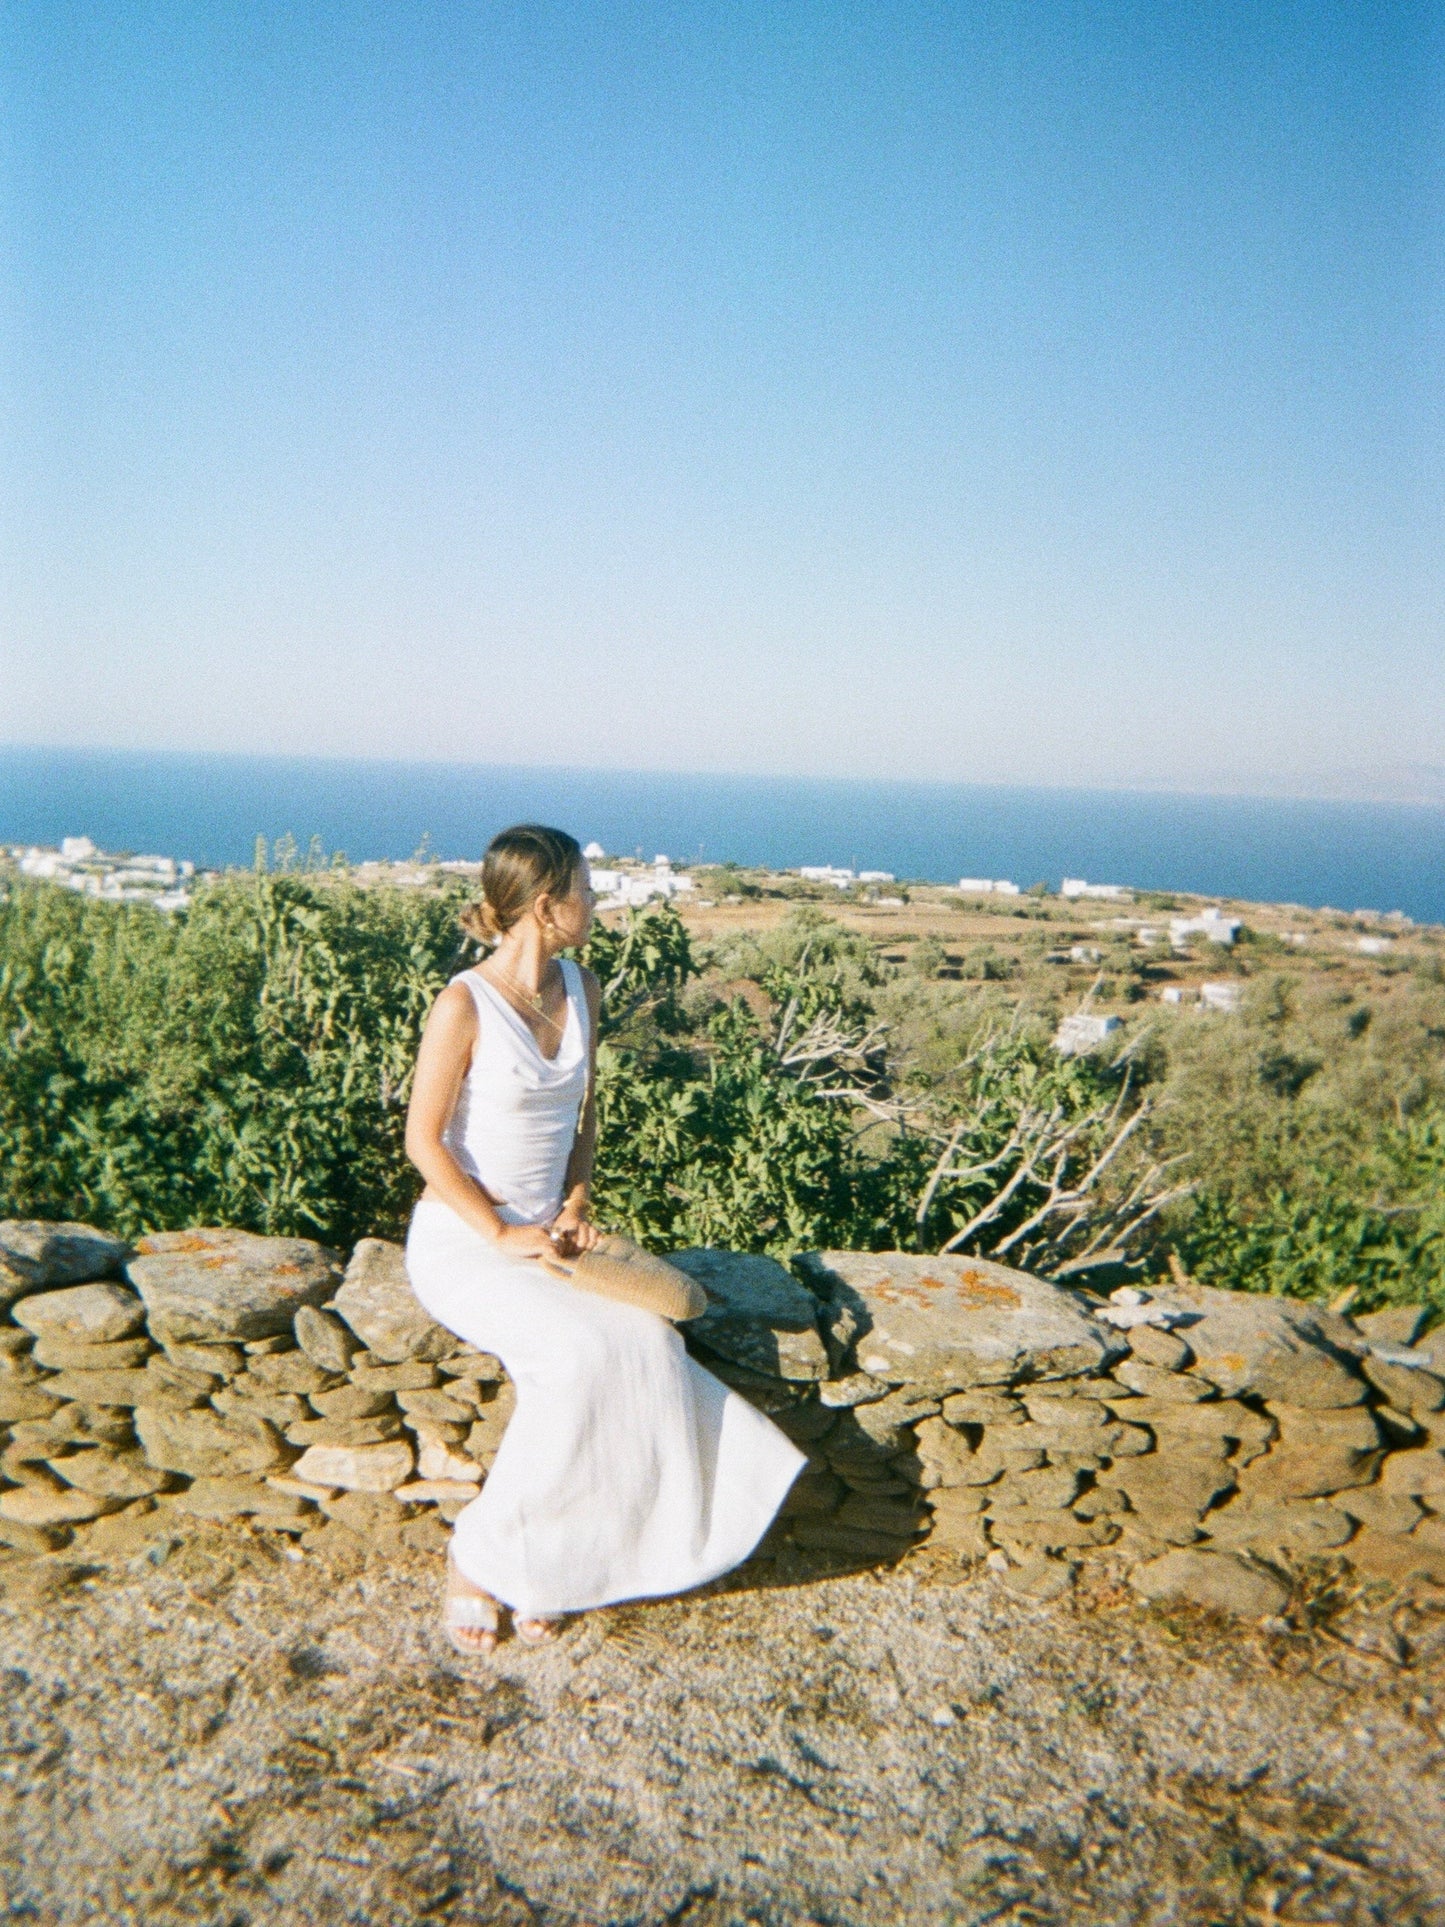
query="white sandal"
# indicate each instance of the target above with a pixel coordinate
(470, 1612)
(537, 1631)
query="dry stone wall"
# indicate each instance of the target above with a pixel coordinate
(1208, 1441)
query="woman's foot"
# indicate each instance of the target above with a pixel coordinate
(471, 1618)
(536, 1632)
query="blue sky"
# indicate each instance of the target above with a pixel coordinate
(1036, 392)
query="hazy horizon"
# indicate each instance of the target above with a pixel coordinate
(1410, 784)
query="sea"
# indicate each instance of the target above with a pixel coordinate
(211, 808)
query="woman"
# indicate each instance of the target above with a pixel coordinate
(627, 1471)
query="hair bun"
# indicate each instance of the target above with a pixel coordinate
(479, 920)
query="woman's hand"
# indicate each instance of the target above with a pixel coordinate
(572, 1234)
(526, 1241)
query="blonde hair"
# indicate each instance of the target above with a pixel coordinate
(521, 864)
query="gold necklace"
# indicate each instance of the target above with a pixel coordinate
(535, 1003)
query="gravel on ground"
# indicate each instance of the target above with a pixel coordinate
(220, 1727)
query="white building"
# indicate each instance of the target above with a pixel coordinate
(78, 865)
(1081, 1033)
(828, 873)
(1077, 887)
(1225, 997)
(594, 852)
(160, 866)
(1374, 946)
(1088, 953)
(876, 876)
(152, 870)
(619, 889)
(1213, 926)
(987, 887)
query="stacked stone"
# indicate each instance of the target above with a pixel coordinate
(1212, 1444)
(975, 1379)
(935, 1399)
(1209, 1440)
(216, 1374)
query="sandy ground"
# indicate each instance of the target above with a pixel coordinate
(210, 1730)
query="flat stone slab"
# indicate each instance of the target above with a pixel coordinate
(138, 1387)
(24, 1404)
(950, 1323)
(757, 1314)
(437, 1491)
(1247, 1343)
(82, 1314)
(1396, 1557)
(1395, 1325)
(1419, 1470)
(356, 1468)
(221, 1284)
(444, 1464)
(377, 1302)
(110, 1475)
(69, 1355)
(324, 1339)
(1316, 1453)
(44, 1505)
(1406, 1387)
(1214, 1579)
(1300, 1525)
(207, 1445)
(222, 1498)
(36, 1254)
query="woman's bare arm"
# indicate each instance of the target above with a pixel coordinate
(577, 1185)
(442, 1062)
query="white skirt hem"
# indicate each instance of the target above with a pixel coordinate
(627, 1471)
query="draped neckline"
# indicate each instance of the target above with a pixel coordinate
(509, 1010)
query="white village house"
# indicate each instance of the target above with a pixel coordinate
(1081, 1033)
(79, 865)
(1225, 997)
(618, 888)
(1212, 925)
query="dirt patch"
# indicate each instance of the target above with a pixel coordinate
(211, 1730)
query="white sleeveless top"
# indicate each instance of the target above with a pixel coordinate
(516, 1118)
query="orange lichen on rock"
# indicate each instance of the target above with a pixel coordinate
(983, 1291)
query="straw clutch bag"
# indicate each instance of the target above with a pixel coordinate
(617, 1268)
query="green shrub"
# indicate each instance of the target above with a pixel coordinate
(245, 1063)
(249, 1061)
(1333, 1232)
